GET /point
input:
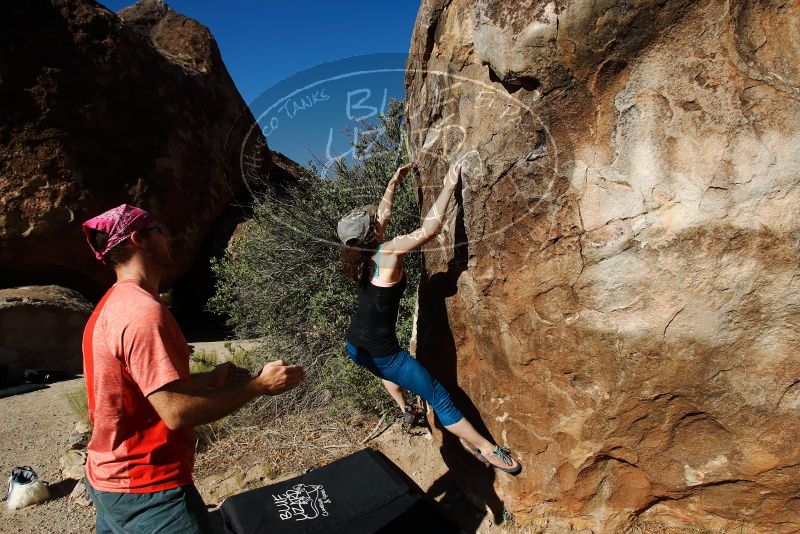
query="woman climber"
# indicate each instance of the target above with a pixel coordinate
(377, 268)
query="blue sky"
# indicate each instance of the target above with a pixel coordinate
(264, 43)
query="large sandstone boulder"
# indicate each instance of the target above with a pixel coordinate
(99, 109)
(41, 327)
(617, 292)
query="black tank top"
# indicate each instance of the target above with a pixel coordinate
(373, 325)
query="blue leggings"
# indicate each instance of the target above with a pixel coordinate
(408, 373)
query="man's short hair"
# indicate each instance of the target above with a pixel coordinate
(118, 255)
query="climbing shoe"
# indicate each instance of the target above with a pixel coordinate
(412, 417)
(500, 458)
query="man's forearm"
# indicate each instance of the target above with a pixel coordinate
(198, 407)
(180, 405)
(201, 380)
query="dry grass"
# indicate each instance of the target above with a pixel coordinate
(79, 403)
(654, 527)
(651, 527)
(290, 444)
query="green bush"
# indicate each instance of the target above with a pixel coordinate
(281, 281)
(201, 361)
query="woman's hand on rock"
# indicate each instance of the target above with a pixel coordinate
(400, 173)
(453, 176)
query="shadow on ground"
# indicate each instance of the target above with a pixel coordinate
(61, 489)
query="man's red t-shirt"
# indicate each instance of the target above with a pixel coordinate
(132, 346)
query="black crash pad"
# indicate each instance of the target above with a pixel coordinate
(362, 493)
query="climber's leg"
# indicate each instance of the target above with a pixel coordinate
(362, 358)
(484, 449)
(408, 373)
(464, 430)
(396, 392)
(401, 370)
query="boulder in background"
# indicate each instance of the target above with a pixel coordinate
(41, 327)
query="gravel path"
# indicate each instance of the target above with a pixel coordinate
(34, 428)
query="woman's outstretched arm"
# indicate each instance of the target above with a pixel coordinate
(385, 207)
(432, 221)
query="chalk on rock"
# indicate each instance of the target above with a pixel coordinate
(472, 166)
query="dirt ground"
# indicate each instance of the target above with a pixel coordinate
(34, 428)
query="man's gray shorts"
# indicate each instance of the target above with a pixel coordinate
(178, 510)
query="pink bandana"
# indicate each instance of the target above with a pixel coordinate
(119, 223)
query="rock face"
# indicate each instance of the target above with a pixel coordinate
(99, 109)
(41, 327)
(617, 292)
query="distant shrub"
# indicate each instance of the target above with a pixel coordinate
(281, 279)
(202, 362)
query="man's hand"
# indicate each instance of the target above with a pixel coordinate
(226, 374)
(277, 377)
